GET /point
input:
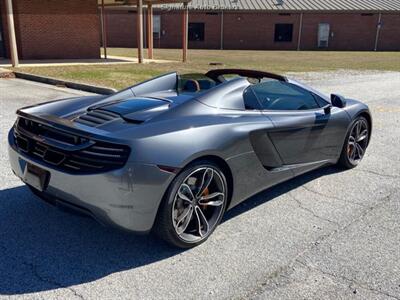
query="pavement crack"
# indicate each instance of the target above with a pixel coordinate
(39, 277)
(331, 197)
(348, 280)
(377, 173)
(280, 272)
(301, 206)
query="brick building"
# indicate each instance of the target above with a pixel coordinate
(268, 24)
(48, 29)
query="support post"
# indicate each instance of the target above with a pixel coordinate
(140, 30)
(150, 31)
(378, 29)
(185, 30)
(300, 32)
(11, 34)
(222, 30)
(103, 29)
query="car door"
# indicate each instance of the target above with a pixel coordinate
(304, 132)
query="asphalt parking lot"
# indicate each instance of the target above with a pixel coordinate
(327, 234)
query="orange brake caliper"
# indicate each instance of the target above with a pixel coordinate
(205, 193)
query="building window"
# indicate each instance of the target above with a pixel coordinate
(196, 31)
(283, 32)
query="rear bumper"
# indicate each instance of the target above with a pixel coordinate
(127, 198)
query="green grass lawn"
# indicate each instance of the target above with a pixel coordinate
(119, 76)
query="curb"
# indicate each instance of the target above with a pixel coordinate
(68, 84)
(5, 73)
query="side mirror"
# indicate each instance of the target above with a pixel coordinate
(338, 101)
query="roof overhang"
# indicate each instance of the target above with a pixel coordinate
(134, 2)
(273, 6)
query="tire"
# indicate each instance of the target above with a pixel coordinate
(200, 186)
(356, 143)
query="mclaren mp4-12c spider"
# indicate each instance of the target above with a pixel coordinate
(172, 154)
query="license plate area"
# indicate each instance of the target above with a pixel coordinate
(36, 177)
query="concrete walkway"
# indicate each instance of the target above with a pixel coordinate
(80, 62)
(6, 73)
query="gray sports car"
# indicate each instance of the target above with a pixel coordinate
(173, 153)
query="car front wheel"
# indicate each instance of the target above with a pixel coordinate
(356, 143)
(193, 206)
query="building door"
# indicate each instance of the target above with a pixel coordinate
(323, 35)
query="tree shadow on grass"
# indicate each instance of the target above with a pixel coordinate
(43, 248)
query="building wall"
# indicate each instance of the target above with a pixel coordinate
(250, 30)
(389, 36)
(348, 31)
(171, 27)
(5, 50)
(256, 31)
(353, 31)
(121, 28)
(57, 29)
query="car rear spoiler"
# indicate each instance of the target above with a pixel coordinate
(67, 126)
(215, 74)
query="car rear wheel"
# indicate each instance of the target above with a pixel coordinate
(193, 206)
(356, 143)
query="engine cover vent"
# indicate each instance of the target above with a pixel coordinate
(97, 117)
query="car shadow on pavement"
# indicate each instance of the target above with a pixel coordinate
(43, 248)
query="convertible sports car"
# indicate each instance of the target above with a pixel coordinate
(173, 153)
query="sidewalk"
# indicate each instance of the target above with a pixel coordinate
(111, 60)
(5, 73)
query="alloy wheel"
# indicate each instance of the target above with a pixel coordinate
(198, 204)
(358, 141)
